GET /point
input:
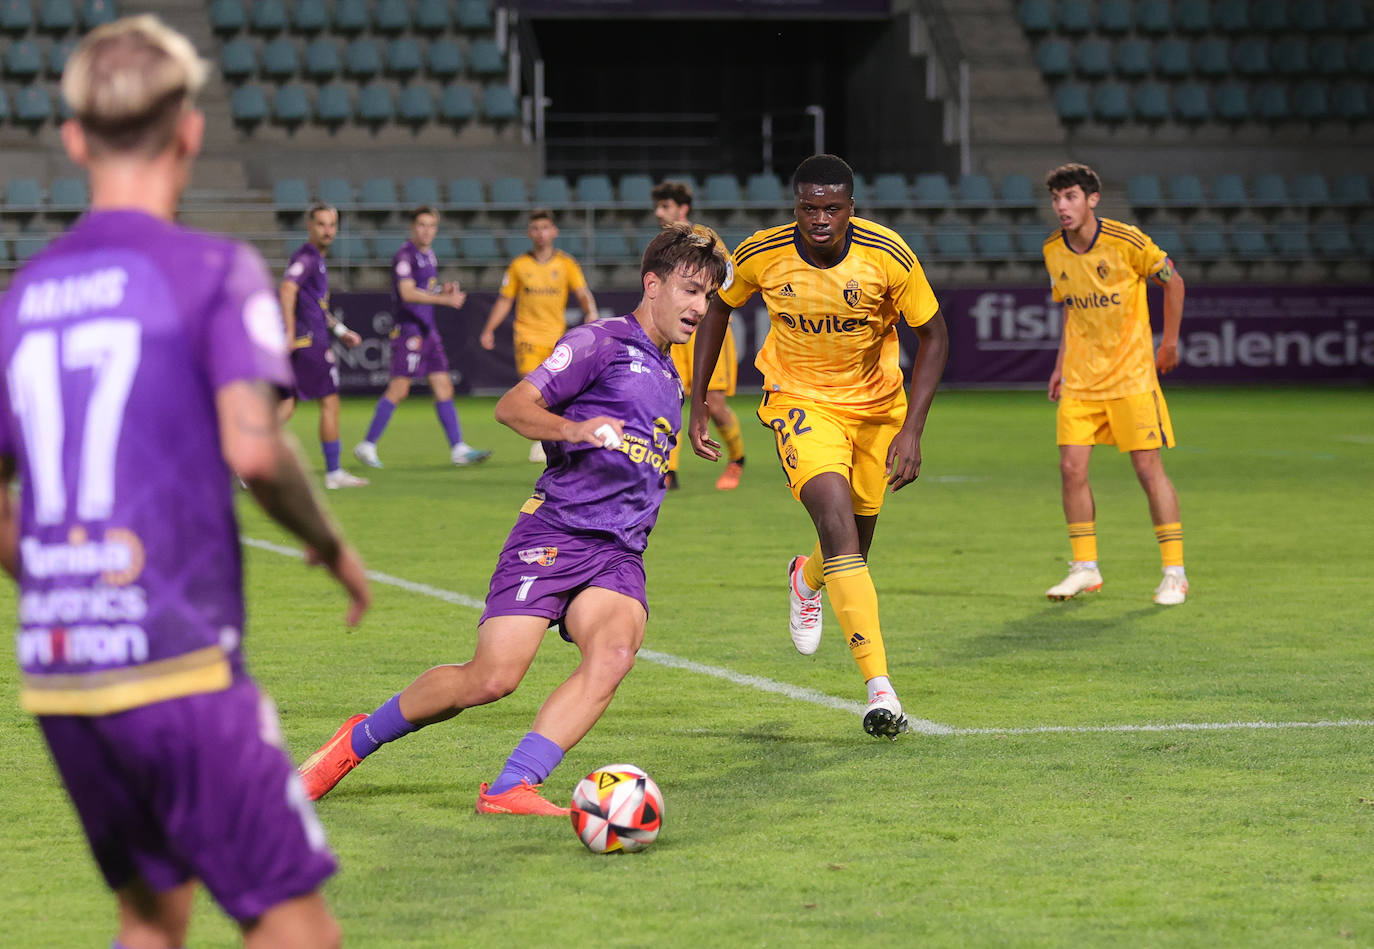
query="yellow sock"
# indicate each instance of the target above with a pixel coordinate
(1083, 540)
(812, 571)
(734, 441)
(1170, 537)
(855, 603)
(674, 455)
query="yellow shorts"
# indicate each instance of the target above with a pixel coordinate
(724, 376)
(530, 353)
(1136, 423)
(813, 438)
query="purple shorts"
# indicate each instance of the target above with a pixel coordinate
(317, 371)
(542, 568)
(194, 788)
(415, 355)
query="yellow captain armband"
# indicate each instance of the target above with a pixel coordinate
(1166, 271)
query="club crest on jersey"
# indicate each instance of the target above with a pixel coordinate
(559, 359)
(1102, 269)
(851, 293)
(544, 556)
(414, 342)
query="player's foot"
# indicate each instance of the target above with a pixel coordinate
(333, 480)
(1081, 579)
(884, 718)
(537, 453)
(366, 452)
(326, 767)
(670, 481)
(524, 798)
(465, 454)
(804, 616)
(1172, 590)
(729, 478)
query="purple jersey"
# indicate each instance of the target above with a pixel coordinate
(411, 263)
(608, 368)
(114, 341)
(307, 271)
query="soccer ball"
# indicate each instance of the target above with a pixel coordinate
(617, 808)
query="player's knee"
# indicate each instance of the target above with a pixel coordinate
(1073, 471)
(612, 661)
(496, 685)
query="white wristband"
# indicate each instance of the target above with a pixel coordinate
(609, 439)
(340, 330)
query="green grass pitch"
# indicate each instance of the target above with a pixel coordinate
(1037, 809)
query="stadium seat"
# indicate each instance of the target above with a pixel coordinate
(375, 104)
(391, 16)
(415, 105)
(1152, 102)
(350, 16)
(1310, 101)
(994, 244)
(1173, 57)
(97, 13)
(238, 60)
(1363, 234)
(721, 189)
(57, 56)
(445, 59)
(1167, 239)
(1036, 16)
(1271, 16)
(931, 190)
(16, 16)
(1212, 56)
(248, 105)
(1142, 191)
(456, 104)
(1054, 57)
(1350, 101)
(26, 245)
(290, 196)
(636, 190)
(335, 191)
(227, 16)
(499, 105)
(444, 247)
(23, 60)
(279, 59)
(1185, 191)
(552, 191)
(1233, 102)
(362, 59)
(1231, 16)
(1328, 55)
(1271, 102)
(431, 17)
(291, 105)
(1228, 191)
(478, 245)
(1075, 16)
(421, 190)
(595, 189)
(1071, 102)
(1017, 191)
(1208, 242)
(1114, 16)
(322, 59)
(1112, 103)
(1154, 18)
(1250, 242)
(68, 194)
(1310, 17)
(1270, 189)
(610, 245)
(474, 15)
(916, 240)
(1133, 58)
(333, 104)
(1290, 55)
(1093, 58)
(1311, 189)
(1251, 56)
(403, 57)
(350, 249)
(952, 242)
(1362, 56)
(570, 242)
(510, 190)
(975, 191)
(23, 194)
(1349, 17)
(765, 189)
(1352, 191)
(485, 59)
(1030, 239)
(309, 16)
(1194, 17)
(1191, 104)
(1333, 240)
(56, 16)
(378, 194)
(465, 192)
(268, 16)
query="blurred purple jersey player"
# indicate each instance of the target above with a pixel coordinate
(304, 296)
(417, 352)
(607, 404)
(140, 360)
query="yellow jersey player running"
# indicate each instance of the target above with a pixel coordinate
(537, 284)
(1105, 378)
(835, 287)
(673, 204)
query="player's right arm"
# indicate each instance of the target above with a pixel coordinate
(710, 334)
(286, 296)
(500, 309)
(524, 410)
(1056, 377)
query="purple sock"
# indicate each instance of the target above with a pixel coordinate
(448, 417)
(379, 419)
(384, 725)
(331, 455)
(531, 761)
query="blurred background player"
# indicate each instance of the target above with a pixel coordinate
(673, 204)
(167, 343)
(833, 396)
(304, 295)
(537, 284)
(417, 352)
(1105, 379)
(575, 555)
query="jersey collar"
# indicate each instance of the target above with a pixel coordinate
(1091, 244)
(801, 247)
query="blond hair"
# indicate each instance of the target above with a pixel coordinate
(128, 82)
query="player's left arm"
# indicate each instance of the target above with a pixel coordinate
(904, 454)
(451, 295)
(9, 521)
(588, 304)
(336, 326)
(1172, 282)
(524, 410)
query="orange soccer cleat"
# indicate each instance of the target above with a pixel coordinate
(729, 478)
(326, 767)
(524, 798)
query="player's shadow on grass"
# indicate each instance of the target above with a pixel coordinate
(1054, 627)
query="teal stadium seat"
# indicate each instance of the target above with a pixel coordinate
(456, 104)
(610, 245)
(375, 104)
(1271, 102)
(952, 242)
(1112, 103)
(23, 194)
(391, 16)
(510, 190)
(1142, 191)
(1154, 17)
(975, 191)
(1291, 56)
(1270, 189)
(1208, 242)
(403, 57)
(1349, 17)
(570, 242)
(291, 105)
(1231, 16)
(238, 60)
(445, 59)
(1228, 192)
(335, 191)
(1212, 56)
(421, 190)
(362, 59)
(444, 247)
(765, 189)
(722, 189)
(248, 105)
(1250, 242)
(268, 16)
(1017, 192)
(932, 190)
(1328, 56)
(350, 16)
(1310, 101)
(290, 196)
(1363, 233)
(595, 189)
(1152, 102)
(1362, 56)
(322, 61)
(309, 16)
(1075, 16)
(1173, 57)
(56, 16)
(916, 240)
(1072, 103)
(58, 54)
(1036, 16)
(227, 16)
(1194, 17)
(994, 244)
(1233, 102)
(1133, 58)
(474, 15)
(1333, 241)
(16, 16)
(1115, 17)
(279, 59)
(1191, 104)
(552, 191)
(1310, 17)
(23, 60)
(1271, 16)
(516, 243)
(1054, 57)
(636, 190)
(1167, 239)
(1093, 58)
(1352, 190)
(415, 106)
(486, 59)
(333, 104)
(26, 245)
(1251, 56)
(479, 246)
(432, 16)
(1311, 189)
(350, 249)
(1185, 191)
(379, 194)
(499, 105)
(1030, 239)
(68, 194)
(1350, 101)
(466, 192)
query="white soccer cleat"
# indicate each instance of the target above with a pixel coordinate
(884, 718)
(537, 453)
(465, 454)
(333, 480)
(804, 618)
(1172, 590)
(1081, 579)
(366, 452)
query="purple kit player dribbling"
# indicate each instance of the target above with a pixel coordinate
(607, 404)
(140, 360)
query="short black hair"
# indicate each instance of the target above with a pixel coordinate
(319, 206)
(1074, 173)
(542, 214)
(823, 170)
(693, 248)
(678, 191)
(422, 209)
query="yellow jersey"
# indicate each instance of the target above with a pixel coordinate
(540, 292)
(1108, 347)
(833, 330)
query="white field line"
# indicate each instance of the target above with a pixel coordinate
(798, 693)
